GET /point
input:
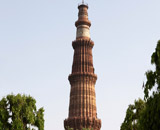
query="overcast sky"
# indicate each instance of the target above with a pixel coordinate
(36, 53)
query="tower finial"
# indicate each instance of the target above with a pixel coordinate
(82, 1)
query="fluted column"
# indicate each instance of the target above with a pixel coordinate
(82, 107)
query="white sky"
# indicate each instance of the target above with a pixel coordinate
(36, 53)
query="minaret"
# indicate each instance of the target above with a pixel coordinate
(82, 107)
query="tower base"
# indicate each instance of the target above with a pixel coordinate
(78, 123)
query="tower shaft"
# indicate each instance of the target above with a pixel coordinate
(82, 107)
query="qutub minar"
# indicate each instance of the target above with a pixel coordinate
(82, 107)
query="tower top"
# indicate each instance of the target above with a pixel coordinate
(83, 4)
(83, 24)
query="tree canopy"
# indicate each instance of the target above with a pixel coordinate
(133, 114)
(19, 112)
(150, 119)
(153, 77)
(149, 116)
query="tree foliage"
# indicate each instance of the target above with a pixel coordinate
(149, 117)
(19, 112)
(131, 121)
(153, 77)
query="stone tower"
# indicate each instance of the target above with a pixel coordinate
(82, 107)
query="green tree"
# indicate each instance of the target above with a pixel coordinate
(150, 119)
(133, 114)
(149, 116)
(19, 112)
(153, 77)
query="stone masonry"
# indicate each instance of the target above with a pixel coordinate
(82, 107)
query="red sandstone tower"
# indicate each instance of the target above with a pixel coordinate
(82, 107)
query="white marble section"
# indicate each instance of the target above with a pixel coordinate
(83, 31)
